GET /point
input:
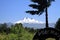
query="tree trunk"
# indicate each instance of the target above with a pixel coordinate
(46, 18)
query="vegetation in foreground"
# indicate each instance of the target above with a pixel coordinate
(18, 32)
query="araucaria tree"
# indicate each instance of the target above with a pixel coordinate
(41, 6)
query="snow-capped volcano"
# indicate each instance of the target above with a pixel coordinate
(33, 23)
(29, 20)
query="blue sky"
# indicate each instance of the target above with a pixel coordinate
(14, 10)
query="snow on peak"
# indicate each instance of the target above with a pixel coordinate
(29, 20)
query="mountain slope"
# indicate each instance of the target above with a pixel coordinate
(32, 23)
(37, 26)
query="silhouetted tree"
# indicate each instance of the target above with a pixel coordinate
(57, 25)
(4, 28)
(41, 6)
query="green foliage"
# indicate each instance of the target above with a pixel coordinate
(4, 28)
(57, 25)
(17, 32)
(31, 30)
